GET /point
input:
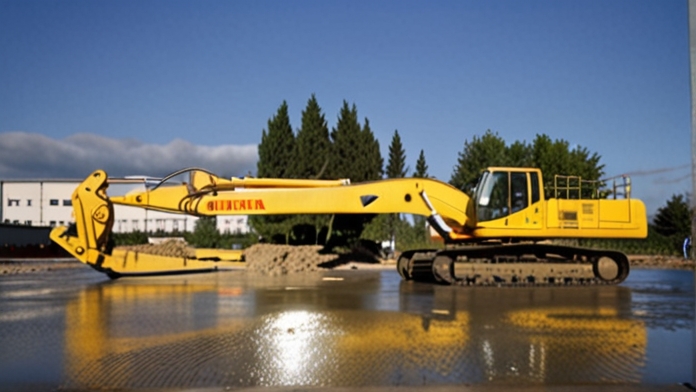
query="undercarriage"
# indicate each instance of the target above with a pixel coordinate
(514, 265)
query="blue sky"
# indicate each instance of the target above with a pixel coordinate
(148, 87)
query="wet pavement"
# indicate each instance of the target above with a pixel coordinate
(76, 329)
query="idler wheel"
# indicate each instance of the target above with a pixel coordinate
(611, 269)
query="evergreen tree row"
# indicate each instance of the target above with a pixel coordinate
(350, 150)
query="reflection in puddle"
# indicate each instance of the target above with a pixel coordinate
(158, 334)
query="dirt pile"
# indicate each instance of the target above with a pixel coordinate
(660, 262)
(171, 248)
(267, 259)
(274, 260)
(14, 267)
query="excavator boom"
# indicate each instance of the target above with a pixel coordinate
(208, 195)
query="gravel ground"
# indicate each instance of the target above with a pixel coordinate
(274, 260)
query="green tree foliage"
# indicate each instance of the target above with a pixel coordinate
(312, 147)
(421, 167)
(372, 165)
(396, 166)
(355, 151)
(481, 152)
(276, 154)
(407, 236)
(378, 229)
(553, 157)
(312, 156)
(277, 146)
(420, 226)
(673, 220)
(356, 155)
(205, 233)
(519, 154)
(351, 151)
(347, 145)
(132, 238)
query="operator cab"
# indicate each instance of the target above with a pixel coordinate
(501, 192)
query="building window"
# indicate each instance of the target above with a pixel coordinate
(28, 202)
(16, 222)
(67, 202)
(13, 202)
(136, 226)
(52, 223)
(175, 225)
(27, 222)
(160, 224)
(54, 202)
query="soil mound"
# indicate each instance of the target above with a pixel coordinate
(271, 259)
(172, 248)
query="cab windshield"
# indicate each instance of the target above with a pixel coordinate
(499, 194)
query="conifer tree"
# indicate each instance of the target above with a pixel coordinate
(355, 155)
(312, 147)
(312, 155)
(373, 163)
(419, 222)
(276, 152)
(421, 167)
(396, 167)
(346, 143)
(277, 146)
(673, 220)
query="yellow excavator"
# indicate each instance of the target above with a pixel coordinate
(498, 236)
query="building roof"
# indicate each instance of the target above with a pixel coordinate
(34, 180)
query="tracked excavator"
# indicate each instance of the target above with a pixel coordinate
(499, 236)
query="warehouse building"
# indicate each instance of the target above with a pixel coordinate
(48, 203)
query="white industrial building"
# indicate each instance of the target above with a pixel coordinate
(48, 203)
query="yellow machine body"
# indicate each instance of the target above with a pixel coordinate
(575, 211)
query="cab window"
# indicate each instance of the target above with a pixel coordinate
(518, 191)
(500, 194)
(492, 197)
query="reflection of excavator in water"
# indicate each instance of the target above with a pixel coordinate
(502, 226)
(200, 332)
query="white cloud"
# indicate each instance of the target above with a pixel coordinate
(32, 155)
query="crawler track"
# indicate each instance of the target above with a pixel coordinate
(514, 265)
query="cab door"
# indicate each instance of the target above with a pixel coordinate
(509, 200)
(525, 211)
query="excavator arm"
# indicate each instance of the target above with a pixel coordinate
(208, 195)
